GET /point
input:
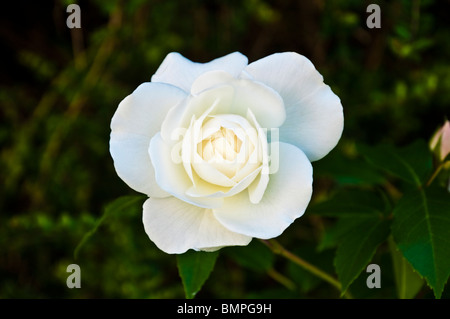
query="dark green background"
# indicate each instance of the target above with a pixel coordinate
(60, 88)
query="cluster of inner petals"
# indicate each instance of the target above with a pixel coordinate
(223, 144)
(221, 149)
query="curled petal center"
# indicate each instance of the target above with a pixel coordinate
(223, 144)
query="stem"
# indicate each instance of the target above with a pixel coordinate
(435, 174)
(281, 279)
(278, 249)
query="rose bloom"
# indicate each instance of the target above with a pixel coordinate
(223, 149)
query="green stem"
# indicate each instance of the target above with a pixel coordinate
(278, 249)
(281, 279)
(435, 174)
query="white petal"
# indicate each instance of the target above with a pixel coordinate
(201, 167)
(204, 189)
(285, 199)
(238, 124)
(258, 187)
(314, 120)
(186, 151)
(171, 175)
(143, 111)
(211, 79)
(133, 164)
(138, 117)
(179, 117)
(175, 226)
(181, 72)
(265, 103)
(210, 173)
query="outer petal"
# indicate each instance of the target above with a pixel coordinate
(263, 101)
(314, 120)
(175, 226)
(181, 72)
(138, 117)
(133, 164)
(285, 199)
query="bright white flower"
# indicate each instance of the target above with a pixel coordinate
(224, 149)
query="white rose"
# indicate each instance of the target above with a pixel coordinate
(224, 149)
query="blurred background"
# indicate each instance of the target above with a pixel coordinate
(59, 88)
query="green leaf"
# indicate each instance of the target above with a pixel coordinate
(352, 203)
(348, 171)
(421, 230)
(333, 235)
(120, 205)
(256, 256)
(194, 268)
(358, 247)
(305, 280)
(407, 281)
(412, 163)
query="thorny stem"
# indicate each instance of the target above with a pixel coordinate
(278, 249)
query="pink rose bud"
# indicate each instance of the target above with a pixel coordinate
(440, 142)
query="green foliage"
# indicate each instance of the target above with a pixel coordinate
(361, 228)
(408, 282)
(346, 170)
(194, 268)
(420, 226)
(416, 207)
(118, 206)
(412, 163)
(353, 203)
(358, 247)
(309, 283)
(379, 197)
(420, 229)
(255, 256)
